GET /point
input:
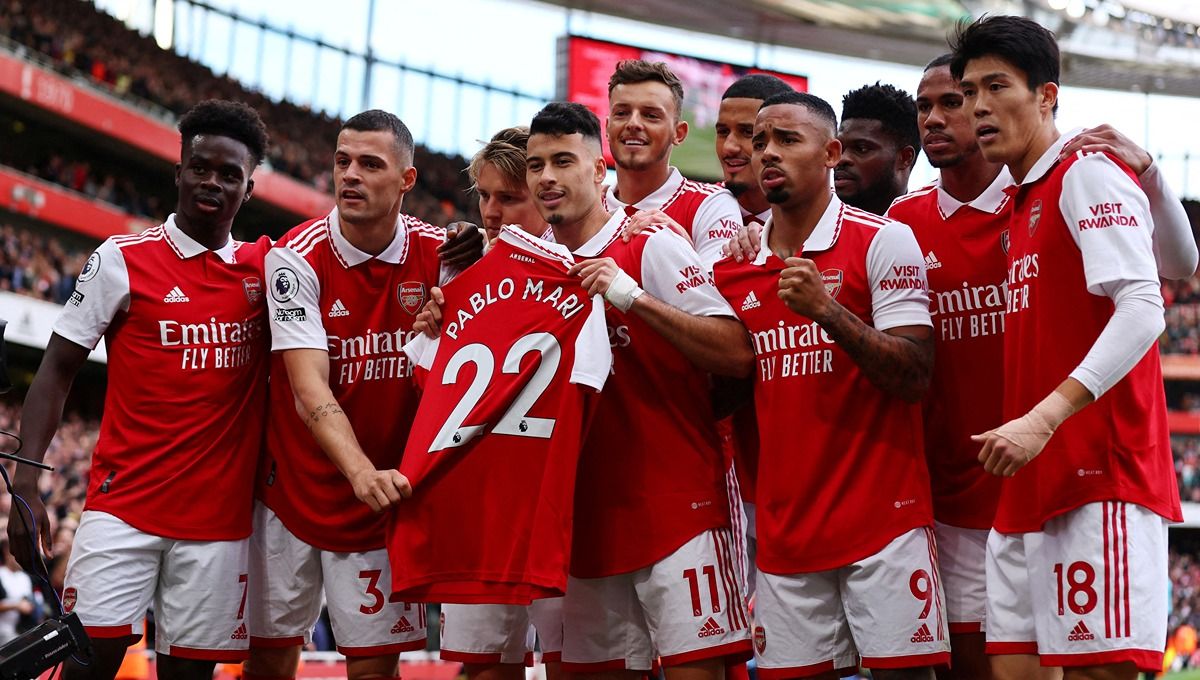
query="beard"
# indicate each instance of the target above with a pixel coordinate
(778, 195)
(625, 160)
(555, 218)
(946, 162)
(737, 188)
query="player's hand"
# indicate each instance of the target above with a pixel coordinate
(745, 245)
(429, 321)
(602, 276)
(463, 246)
(802, 290)
(1014, 444)
(1105, 138)
(644, 219)
(19, 542)
(380, 489)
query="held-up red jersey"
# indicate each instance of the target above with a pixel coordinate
(493, 452)
(327, 295)
(841, 469)
(965, 250)
(707, 211)
(1076, 225)
(185, 330)
(651, 475)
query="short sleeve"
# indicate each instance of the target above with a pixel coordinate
(896, 270)
(717, 220)
(672, 272)
(293, 302)
(593, 354)
(101, 292)
(1108, 216)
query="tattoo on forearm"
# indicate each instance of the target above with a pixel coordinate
(900, 366)
(322, 411)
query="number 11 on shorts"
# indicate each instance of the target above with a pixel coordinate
(693, 580)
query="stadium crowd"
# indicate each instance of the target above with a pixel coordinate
(81, 40)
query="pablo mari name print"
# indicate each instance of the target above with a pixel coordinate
(567, 304)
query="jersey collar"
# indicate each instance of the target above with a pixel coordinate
(610, 232)
(822, 237)
(1049, 159)
(657, 199)
(521, 240)
(186, 247)
(991, 200)
(349, 256)
(762, 216)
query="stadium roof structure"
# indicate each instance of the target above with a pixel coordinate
(1150, 46)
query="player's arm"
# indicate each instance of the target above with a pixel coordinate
(896, 354)
(308, 373)
(297, 332)
(40, 418)
(101, 292)
(679, 302)
(1118, 263)
(1175, 248)
(463, 247)
(718, 219)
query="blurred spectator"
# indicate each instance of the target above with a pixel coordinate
(17, 601)
(38, 265)
(84, 40)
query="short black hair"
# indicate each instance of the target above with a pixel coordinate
(378, 120)
(566, 118)
(939, 61)
(809, 101)
(756, 86)
(892, 107)
(1022, 42)
(225, 118)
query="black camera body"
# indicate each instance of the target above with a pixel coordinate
(42, 647)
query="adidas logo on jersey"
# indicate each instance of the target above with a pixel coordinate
(1080, 633)
(338, 309)
(176, 295)
(931, 261)
(402, 626)
(240, 633)
(750, 302)
(710, 628)
(922, 635)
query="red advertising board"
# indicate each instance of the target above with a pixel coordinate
(586, 64)
(106, 115)
(50, 203)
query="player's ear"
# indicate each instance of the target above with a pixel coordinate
(1049, 95)
(178, 170)
(249, 190)
(681, 130)
(600, 169)
(408, 179)
(833, 152)
(906, 159)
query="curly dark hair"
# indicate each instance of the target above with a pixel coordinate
(892, 107)
(227, 119)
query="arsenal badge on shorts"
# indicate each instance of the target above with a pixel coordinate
(68, 600)
(252, 285)
(832, 278)
(411, 296)
(1035, 214)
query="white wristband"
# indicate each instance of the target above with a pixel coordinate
(623, 291)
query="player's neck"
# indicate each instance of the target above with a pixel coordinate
(212, 237)
(1042, 140)
(753, 201)
(969, 178)
(792, 224)
(635, 185)
(574, 234)
(371, 237)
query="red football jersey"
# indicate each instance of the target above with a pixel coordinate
(1075, 226)
(707, 211)
(326, 294)
(185, 330)
(493, 453)
(651, 475)
(965, 260)
(841, 469)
